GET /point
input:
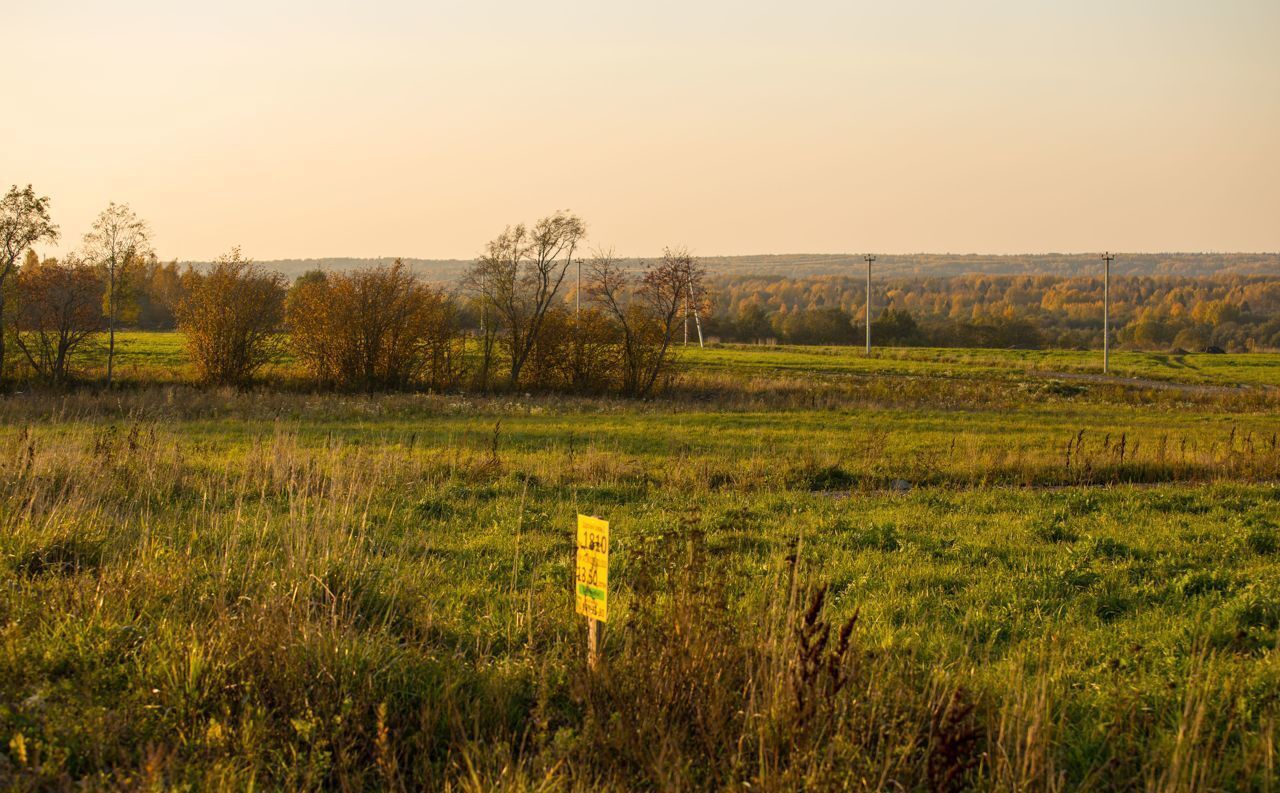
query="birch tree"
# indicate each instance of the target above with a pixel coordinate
(648, 308)
(118, 241)
(518, 277)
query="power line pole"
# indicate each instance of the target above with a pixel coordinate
(1107, 258)
(687, 306)
(696, 320)
(869, 258)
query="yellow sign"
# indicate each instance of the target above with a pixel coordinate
(591, 591)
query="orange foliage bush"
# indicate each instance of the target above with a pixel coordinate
(230, 317)
(374, 328)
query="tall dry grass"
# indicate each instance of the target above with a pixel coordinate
(184, 611)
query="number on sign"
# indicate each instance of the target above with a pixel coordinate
(591, 592)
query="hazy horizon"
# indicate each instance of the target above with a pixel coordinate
(325, 130)
(586, 253)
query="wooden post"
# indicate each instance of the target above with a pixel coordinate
(591, 587)
(593, 644)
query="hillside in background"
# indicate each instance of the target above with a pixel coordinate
(924, 264)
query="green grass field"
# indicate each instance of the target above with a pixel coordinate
(1200, 368)
(160, 355)
(1051, 586)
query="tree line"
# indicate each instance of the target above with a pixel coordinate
(534, 311)
(1234, 312)
(510, 324)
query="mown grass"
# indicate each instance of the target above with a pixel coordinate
(892, 581)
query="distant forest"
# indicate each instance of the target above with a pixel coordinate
(444, 271)
(1234, 312)
(1159, 301)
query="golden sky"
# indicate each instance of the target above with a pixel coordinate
(420, 129)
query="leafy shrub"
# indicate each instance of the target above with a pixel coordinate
(374, 328)
(230, 319)
(59, 311)
(580, 352)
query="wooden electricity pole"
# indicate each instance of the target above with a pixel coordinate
(1107, 258)
(696, 320)
(869, 258)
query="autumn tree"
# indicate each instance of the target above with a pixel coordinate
(518, 277)
(374, 328)
(118, 242)
(59, 311)
(648, 310)
(157, 289)
(575, 350)
(24, 222)
(230, 317)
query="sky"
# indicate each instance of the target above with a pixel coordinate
(421, 129)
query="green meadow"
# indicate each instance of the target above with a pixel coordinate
(149, 356)
(927, 570)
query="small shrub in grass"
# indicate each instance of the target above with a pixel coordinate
(1112, 600)
(720, 480)
(823, 478)
(61, 557)
(1109, 548)
(434, 508)
(1078, 576)
(876, 537)
(1054, 529)
(1061, 389)
(1081, 503)
(1182, 503)
(737, 518)
(1263, 540)
(1259, 608)
(881, 537)
(1250, 622)
(1203, 582)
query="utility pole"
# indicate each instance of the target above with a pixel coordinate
(696, 320)
(687, 306)
(1107, 258)
(869, 258)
